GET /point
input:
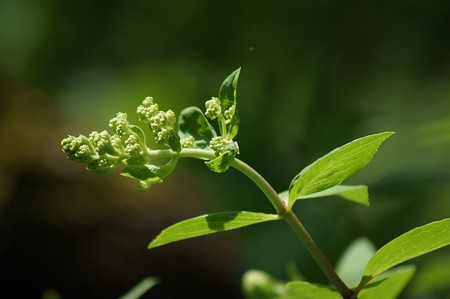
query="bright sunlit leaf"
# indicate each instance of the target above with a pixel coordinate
(335, 167)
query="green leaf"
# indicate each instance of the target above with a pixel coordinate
(257, 284)
(228, 98)
(306, 290)
(358, 194)
(209, 224)
(221, 163)
(149, 174)
(389, 285)
(193, 123)
(174, 141)
(350, 266)
(414, 243)
(141, 288)
(335, 167)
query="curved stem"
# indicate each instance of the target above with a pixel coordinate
(262, 184)
(279, 205)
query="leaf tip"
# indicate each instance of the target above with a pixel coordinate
(153, 244)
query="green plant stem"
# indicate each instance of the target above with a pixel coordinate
(262, 184)
(317, 254)
(296, 226)
(279, 205)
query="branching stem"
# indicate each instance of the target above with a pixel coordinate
(279, 205)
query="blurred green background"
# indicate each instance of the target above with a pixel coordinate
(315, 75)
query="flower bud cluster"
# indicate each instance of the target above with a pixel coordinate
(218, 144)
(229, 113)
(120, 124)
(161, 123)
(103, 152)
(213, 109)
(132, 145)
(100, 151)
(188, 142)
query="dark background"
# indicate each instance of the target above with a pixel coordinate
(315, 75)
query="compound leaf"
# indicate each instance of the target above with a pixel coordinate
(209, 224)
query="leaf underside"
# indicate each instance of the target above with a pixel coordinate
(354, 193)
(390, 285)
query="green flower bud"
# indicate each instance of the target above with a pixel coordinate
(162, 125)
(147, 109)
(229, 113)
(120, 124)
(213, 109)
(104, 144)
(187, 142)
(132, 145)
(103, 165)
(218, 144)
(79, 149)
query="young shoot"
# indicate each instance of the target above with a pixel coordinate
(191, 135)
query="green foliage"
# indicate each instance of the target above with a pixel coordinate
(389, 285)
(335, 167)
(358, 194)
(195, 137)
(193, 124)
(229, 124)
(225, 158)
(412, 244)
(306, 290)
(350, 266)
(209, 224)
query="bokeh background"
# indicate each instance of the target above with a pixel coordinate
(315, 75)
